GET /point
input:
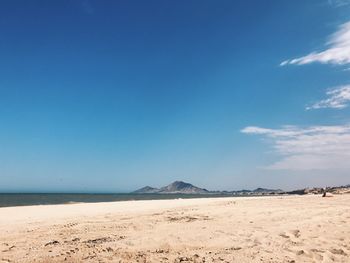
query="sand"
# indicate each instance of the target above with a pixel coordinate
(249, 229)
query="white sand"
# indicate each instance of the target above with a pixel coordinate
(262, 229)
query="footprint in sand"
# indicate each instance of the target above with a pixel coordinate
(69, 225)
(336, 251)
(284, 235)
(296, 233)
(317, 250)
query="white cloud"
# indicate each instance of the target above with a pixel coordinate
(337, 52)
(310, 148)
(338, 98)
(339, 3)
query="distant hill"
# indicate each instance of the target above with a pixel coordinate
(183, 188)
(177, 187)
(146, 190)
(345, 189)
(265, 190)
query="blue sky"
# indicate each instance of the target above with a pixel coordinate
(106, 96)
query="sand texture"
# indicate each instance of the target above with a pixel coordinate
(260, 229)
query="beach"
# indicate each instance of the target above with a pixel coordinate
(305, 228)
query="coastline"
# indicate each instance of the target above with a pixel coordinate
(246, 229)
(32, 199)
(33, 213)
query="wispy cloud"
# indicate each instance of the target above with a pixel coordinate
(338, 98)
(310, 148)
(339, 3)
(337, 51)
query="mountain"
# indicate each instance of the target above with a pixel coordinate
(146, 190)
(177, 187)
(182, 188)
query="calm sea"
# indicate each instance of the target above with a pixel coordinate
(7, 200)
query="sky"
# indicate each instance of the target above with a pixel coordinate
(110, 96)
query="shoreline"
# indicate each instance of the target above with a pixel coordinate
(47, 211)
(21, 199)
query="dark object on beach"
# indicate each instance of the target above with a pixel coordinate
(326, 194)
(297, 192)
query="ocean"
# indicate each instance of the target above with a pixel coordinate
(18, 199)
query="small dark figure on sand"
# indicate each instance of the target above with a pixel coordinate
(325, 194)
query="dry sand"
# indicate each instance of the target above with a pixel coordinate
(261, 229)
